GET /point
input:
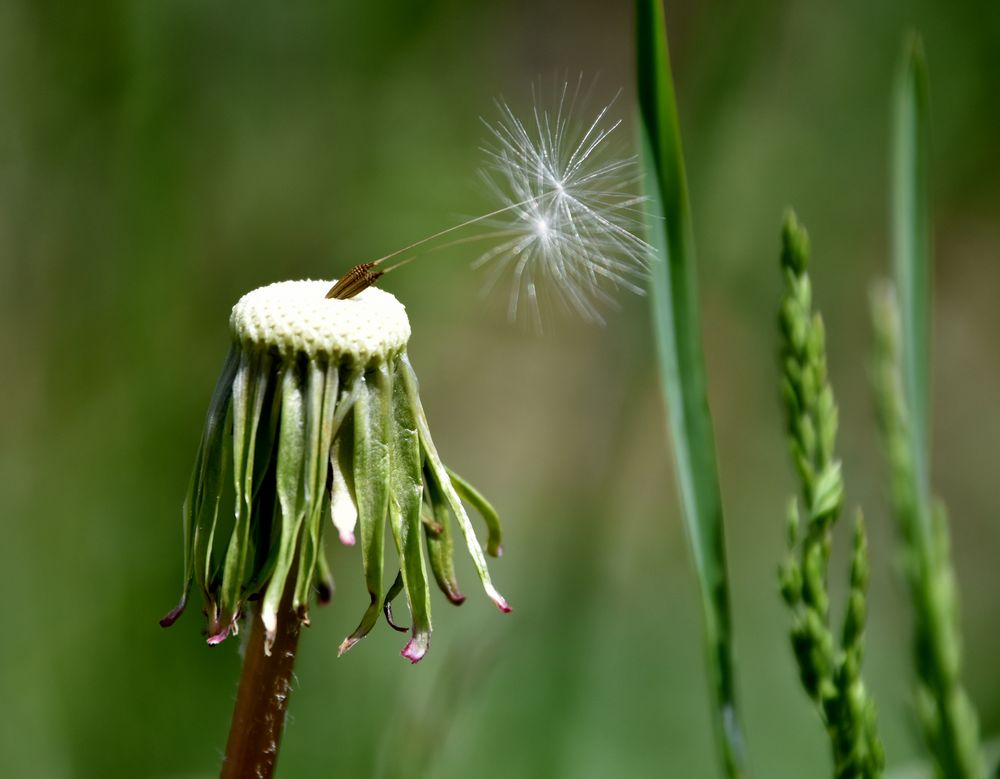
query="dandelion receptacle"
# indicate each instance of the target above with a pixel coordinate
(316, 423)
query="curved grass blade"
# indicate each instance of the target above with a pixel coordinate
(682, 370)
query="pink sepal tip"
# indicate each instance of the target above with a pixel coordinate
(171, 616)
(502, 604)
(219, 637)
(414, 650)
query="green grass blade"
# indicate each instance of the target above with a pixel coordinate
(682, 369)
(903, 354)
(911, 253)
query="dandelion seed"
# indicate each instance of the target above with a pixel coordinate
(569, 224)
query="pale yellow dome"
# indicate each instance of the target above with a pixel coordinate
(297, 317)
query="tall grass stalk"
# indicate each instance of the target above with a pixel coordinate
(902, 379)
(947, 718)
(682, 369)
(830, 669)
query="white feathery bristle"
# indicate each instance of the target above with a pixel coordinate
(570, 230)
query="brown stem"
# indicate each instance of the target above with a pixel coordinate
(262, 700)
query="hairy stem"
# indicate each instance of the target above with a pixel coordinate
(262, 700)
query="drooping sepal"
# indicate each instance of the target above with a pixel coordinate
(440, 539)
(249, 391)
(405, 500)
(306, 439)
(291, 500)
(472, 496)
(372, 425)
(409, 379)
(322, 385)
(390, 596)
(201, 503)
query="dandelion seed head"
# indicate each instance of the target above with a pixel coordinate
(569, 231)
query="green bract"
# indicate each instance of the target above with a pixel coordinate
(316, 419)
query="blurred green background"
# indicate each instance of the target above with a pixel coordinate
(158, 160)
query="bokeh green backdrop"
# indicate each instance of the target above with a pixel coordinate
(158, 160)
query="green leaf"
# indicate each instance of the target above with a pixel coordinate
(372, 420)
(912, 254)
(678, 334)
(405, 500)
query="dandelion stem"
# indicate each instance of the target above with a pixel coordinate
(262, 700)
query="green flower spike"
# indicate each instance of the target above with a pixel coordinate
(317, 419)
